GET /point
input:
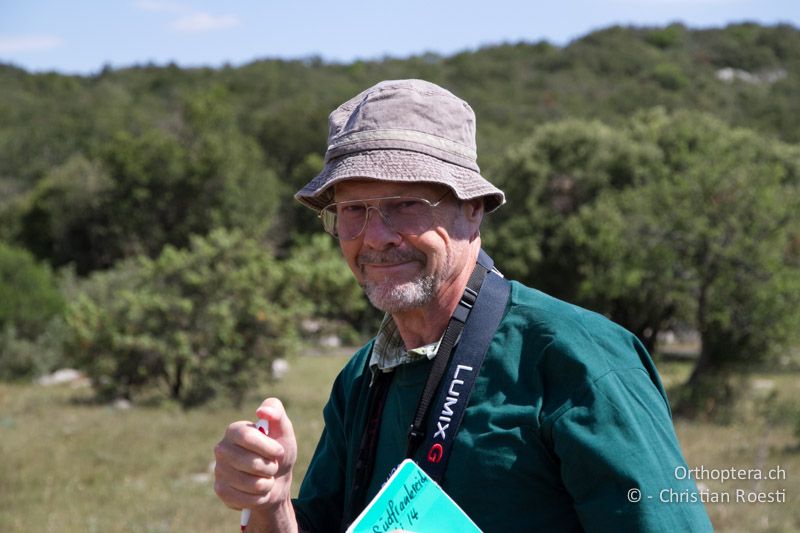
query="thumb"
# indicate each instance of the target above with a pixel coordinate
(280, 427)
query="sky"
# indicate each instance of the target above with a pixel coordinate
(83, 36)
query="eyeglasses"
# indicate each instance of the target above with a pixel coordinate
(407, 215)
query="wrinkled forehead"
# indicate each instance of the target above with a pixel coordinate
(360, 189)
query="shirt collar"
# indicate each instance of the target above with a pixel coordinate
(389, 351)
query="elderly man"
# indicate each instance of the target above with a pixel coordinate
(552, 418)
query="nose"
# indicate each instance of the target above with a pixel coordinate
(378, 234)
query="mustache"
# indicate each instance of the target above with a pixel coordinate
(393, 255)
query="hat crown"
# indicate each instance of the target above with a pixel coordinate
(403, 131)
(411, 115)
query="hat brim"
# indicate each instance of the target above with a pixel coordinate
(399, 166)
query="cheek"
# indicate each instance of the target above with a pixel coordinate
(350, 251)
(437, 248)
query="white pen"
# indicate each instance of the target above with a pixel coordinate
(263, 426)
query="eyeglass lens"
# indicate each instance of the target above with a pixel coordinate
(406, 215)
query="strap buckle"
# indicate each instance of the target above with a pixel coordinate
(465, 305)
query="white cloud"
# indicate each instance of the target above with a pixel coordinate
(30, 43)
(198, 22)
(189, 20)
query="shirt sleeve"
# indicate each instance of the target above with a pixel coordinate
(324, 493)
(618, 457)
(320, 502)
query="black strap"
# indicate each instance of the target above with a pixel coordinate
(445, 418)
(451, 335)
(365, 461)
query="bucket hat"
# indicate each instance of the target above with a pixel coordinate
(403, 131)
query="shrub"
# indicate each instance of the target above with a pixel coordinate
(191, 324)
(316, 270)
(670, 76)
(29, 295)
(24, 359)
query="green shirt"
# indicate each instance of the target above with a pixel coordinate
(567, 416)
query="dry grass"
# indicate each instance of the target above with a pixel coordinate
(760, 434)
(72, 466)
(744, 446)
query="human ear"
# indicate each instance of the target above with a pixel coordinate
(471, 216)
(473, 210)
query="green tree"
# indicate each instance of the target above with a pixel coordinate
(192, 324)
(29, 295)
(65, 219)
(31, 308)
(627, 262)
(317, 273)
(711, 242)
(547, 178)
(672, 218)
(239, 189)
(298, 221)
(143, 191)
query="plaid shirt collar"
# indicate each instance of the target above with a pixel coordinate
(389, 352)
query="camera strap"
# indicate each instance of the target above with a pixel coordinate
(466, 339)
(456, 366)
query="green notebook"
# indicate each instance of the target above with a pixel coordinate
(412, 501)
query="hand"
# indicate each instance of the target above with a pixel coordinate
(254, 470)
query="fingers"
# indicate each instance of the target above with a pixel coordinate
(245, 435)
(246, 465)
(252, 468)
(243, 459)
(239, 489)
(236, 499)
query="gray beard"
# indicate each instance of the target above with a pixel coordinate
(394, 298)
